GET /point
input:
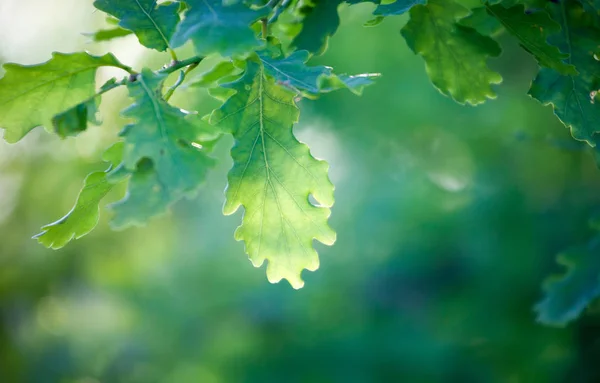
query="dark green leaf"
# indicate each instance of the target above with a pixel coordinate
(321, 21)
(569, 95)
(532, 29)
(568, 295)
(455, 55)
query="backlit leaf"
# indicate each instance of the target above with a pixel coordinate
(30, 95)
(84, 216)
(293, 73)
(272, 177)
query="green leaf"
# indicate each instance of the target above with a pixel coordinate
(354, 83)
(394, 8)
(591, 6)
(153, 25)
(482, 22)
(84, 216)
(272, 177)
(310, 81)
(568, 295)
(532, 29)
(162, 149)
(569, 95)
(216, 28)
(398, 7)
(74, 121)
(30, 96)
(321, 21)
(108, 34)
(455, 56)
(210, 78)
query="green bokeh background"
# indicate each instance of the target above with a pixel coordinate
(448, 218)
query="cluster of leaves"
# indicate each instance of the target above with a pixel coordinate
(264, 46)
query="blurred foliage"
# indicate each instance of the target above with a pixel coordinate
(448, 220)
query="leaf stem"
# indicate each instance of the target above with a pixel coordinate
(180, 79)
(265, 27)
(173, 54)
(112, 86)
(190, 63)
(176, 65)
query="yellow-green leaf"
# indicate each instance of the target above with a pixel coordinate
(31, 95)
(272, 177)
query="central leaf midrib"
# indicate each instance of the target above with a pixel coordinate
(162, 35)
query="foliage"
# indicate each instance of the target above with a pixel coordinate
(263, 49)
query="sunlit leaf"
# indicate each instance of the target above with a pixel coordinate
(293, 73)
(272, 177)
(30, 95)
(84, 216)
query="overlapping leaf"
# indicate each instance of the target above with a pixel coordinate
(532, 29)
(293, 72)
(217, 28)
(398, 7)
(84, 216)
(321, 21)
(163, 151)
(74, 121)
(569, 94)
(210, 78)
(108, 34)
(31, 96)
(568, 295)
(482, 22)
(455, 56)
(152, 24)
(272, 177)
